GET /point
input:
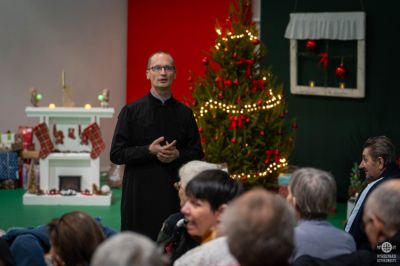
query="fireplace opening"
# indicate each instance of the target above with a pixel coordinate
(70, 182)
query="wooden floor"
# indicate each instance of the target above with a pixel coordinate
(14, 214)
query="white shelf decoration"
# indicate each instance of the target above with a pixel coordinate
(72, 160)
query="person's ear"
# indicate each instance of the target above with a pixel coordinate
(220, 211)
(381, 163)
(379, 227)
(147, 74)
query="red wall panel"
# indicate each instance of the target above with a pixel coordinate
(183, 28)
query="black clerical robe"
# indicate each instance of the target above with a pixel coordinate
(148, 194)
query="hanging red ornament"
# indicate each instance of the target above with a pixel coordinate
(205, 61)
(236, 82)
(220, 95)
(234, 55)
(203, 140)
(200, 129)
(255, 41)
(323, 60)
(227, 82)
(311, 44)
(341, 71)
(238, 100)
(248, 120)
(262, 133)
(233, 140)
(259, 102)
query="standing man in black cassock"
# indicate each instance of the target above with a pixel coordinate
(153, 137)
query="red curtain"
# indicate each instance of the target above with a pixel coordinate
(186, 29)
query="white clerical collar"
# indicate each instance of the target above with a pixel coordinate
(158, 96)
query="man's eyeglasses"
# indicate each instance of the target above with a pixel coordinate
(158, 68)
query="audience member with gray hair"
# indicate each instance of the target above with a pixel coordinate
(259, 229)
(381, 219)
(312, 192)
(173, 236)
(378, 163)
(126, 249)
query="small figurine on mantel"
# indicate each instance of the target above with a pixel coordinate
(35, 97)
(104, 98)
(67, 92)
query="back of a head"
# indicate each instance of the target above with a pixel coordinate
(75, 236)
(214, 186)
(314, 191)
(259, 227)
(381, 146)
(384, 202)
(127, 249)
(193, 168)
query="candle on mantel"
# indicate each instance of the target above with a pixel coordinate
(312, 83)
(63, 79)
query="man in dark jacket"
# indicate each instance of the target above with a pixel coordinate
(153, 137)
(378, 163)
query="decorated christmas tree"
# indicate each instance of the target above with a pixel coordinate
(238, 105)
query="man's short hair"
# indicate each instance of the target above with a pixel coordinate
(259, 227)
(214, 186)
(156, 53)
(384, 202)
(192, 168)
(315, 192)
(381, 146)
(125, 249)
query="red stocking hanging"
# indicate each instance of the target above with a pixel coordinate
(92, 132)
(41, 132)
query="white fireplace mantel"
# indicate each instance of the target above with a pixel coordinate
(73, 158)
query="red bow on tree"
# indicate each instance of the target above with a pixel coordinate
(249, 63)
(268, 154)
(236, 121)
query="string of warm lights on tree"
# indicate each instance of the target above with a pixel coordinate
(239, 106)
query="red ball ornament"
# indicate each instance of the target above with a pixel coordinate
(233, 140)
(200, 129)
(205, 61)
(259, 102)
(220, 95)
(234, 55)
(311, 44)
(255, 41)
(341, 71)
(227, 82)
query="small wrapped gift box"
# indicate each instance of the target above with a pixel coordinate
(8, 165)
(283, 182)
